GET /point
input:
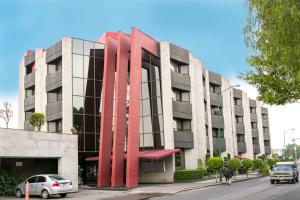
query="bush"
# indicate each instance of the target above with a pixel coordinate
(215, 163)
(37, 120)
(189, 174)
(264, 170)
(257, 163)
(234, 164)
(247, 164)
(8, 182)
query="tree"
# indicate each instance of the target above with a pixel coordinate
(234, 165)
(247, 164)
(257, 163)
(272, 162)
(215, 163)
(272, 33)
(6, 113)
(37, 120)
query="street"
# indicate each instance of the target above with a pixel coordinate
(255, 189)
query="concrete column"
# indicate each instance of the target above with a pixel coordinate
(248, 129)
(211, 148)
(260, 128)
(21, 117)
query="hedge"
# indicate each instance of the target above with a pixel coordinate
(189, 174)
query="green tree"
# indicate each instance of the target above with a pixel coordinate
(215, 163)
(234, 164)
(247, 164)
(257, 163)
(272, 33)
(37, 120)
(289, 151)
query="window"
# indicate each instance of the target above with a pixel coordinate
(240, 138)
(180, 68)
(179, 160)
(54, 66)
(264, 116)
(205, 105)
(29, 92)
(215, 132)
(182, 125)
(214, 88)
(28, 114)
(255, 141)
(206, 130)
(237, 101)
(215, 110)
(54, 96)
(55, 126)
(253, 125)
(41, 179)
(32, 179)
(267, 142)
(180, 95)
(252, 110)
(239, 120)
(265, 130)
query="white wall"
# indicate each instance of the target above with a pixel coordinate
(248, 129)
(21, 116)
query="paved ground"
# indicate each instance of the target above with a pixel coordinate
(255, 189)
(142, 192)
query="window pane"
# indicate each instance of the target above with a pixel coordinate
(148, 140)
(88, 67)
(157, 76)
(97, 141)
(78, 86)
(141, 125)
(78, 106)
(77, 46)
(77, 65)
(145, 91)
(99, 50)
(161, 122)
(98, 106)
(146, 107)
(99, 63)
(98, 124)
(78, 123)
(184, 70)
(80, 142)
(89, 105)
(89, 87)
(98, 88)
(141, 140)
(52, 127)
(147, 121)
(90, 142)
(89, 123)
(88, 48)
(144, 75)
(158, 93)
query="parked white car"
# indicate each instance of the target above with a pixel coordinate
(45, 185)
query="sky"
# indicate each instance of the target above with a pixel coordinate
(210, 29)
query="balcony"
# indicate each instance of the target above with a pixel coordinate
(255, 133)
(241, 147)
(267, 136)
(29, 80)
(267, 150)
(29, 103)
(265, 123)
(238, 110)
(240, 128)
(184, 139)
(180, 81)
(54, 111)
(215, 144)
(256, 148)
(253, 117)
(215, 121)
(216, 99)
(54, 81)
(182, 110)
(206, 118)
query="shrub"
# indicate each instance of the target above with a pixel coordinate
(189, 174)
(215, 164)
(257, 163)
(264, 170)
(247, 164)
(234, 165)
(8, 182)
(37, 120)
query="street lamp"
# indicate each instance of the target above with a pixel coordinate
(284, 132)
(219, 128)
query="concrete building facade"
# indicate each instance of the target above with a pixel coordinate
(182, 106)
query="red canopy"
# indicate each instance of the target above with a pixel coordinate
(150, 154)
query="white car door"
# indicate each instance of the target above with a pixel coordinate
(32, 184)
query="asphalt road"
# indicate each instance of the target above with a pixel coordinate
(255, 189)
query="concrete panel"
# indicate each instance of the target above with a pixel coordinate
(52, 110)
(248, 129)
(182, 110)
(252, 103)
(27, 144)
(215, 78)
(237, 93)
(256, 148)
(268, 150)
(179, 54)
(216, 99)
(28, 59)
(238, 110)
(241, 147)
(29, 80)
(54, 81)
(264, 110)
(255, 133)
(265, 123)
(240, 128)
(54, 52)
(214, 121)
(28, 126)
(181, 81)
(183, 139)
(222, 142)
(253, 117)
(29, 103)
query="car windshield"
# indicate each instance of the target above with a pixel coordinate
(283, 168)
(56, 178)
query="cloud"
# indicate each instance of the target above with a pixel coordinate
(281, 118)
(13, 100)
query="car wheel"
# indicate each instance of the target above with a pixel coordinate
(18, 193)
(45, 194)
(272, 181)
(63, 195)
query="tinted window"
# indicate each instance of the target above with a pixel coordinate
(32, 179)
(41, 179)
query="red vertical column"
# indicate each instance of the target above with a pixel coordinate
(120, 110)
(138, 41)
(104, 160)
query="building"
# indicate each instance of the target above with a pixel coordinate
(150, 107)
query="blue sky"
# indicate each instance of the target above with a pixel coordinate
(211, 29)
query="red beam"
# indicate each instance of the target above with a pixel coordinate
(104, 161)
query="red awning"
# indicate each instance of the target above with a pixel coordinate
(151, 154)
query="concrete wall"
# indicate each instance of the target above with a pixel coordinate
(21, 114)
(260, 129)
(248, 129)
(16, 143)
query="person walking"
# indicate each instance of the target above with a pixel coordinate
(228, 175)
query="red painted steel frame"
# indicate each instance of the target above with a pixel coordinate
(120, 111)
(104, 161)
(139, 41)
